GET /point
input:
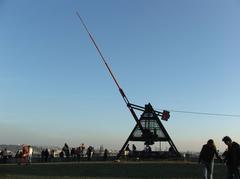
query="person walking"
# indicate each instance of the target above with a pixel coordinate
(232, 158)
(206, 157)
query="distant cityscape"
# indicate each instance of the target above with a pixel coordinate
(13, 149)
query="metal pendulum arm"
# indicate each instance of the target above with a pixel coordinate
(113, 77)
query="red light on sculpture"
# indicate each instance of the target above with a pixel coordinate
(165, 115)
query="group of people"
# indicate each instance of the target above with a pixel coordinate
(231, 157)
(66, 152)
(47, 155)
(208, 152)
(77, 152)
(24, 156)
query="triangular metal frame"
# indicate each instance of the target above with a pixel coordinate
(154, 133)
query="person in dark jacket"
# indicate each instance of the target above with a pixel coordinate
(46, 155)
(206, 157)
(232, 159)
(90, 152)
(105, 155)
(65, 149)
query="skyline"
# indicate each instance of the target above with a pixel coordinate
(54, 88)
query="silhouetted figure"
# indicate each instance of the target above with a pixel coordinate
(73, 152)
(127, 148)
(66, 150)
(78, 152)
(134, 150)
(46, 155)
(61, 155)
(42, 155)
(5, 155)
(81, 150)
(18, 157)
(89, 152)
(232, 158)
(105, 155)
(148, 149)
(206, 157)
(51, 155)
(171, 151)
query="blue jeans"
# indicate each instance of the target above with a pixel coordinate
(208, 169)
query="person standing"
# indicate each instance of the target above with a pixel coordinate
(61, 155)
(66, 150)
(89, 152)
(232, 158)
(134, 150)
(105, 155)
(42, 155)
(25, 154)
(5, 155)
(206, 157)
(46, 155)
(81, 150)
(30, 154)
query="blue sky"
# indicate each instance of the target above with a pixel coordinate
(178, 55)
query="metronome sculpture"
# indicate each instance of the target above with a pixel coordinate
(149, 128)
(153, 130)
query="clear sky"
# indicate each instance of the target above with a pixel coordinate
(178, 55)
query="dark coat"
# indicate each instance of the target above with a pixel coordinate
(232, 155)
(207, 153)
